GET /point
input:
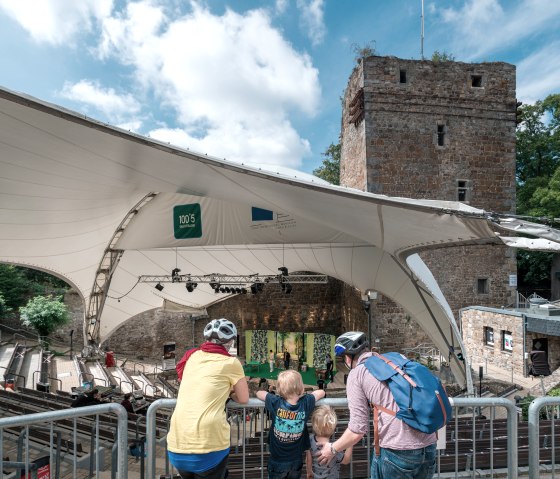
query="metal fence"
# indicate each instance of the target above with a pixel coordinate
(543, 443)
(62, 433)
(478, 418)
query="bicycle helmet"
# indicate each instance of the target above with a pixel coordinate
(220, 331)
(351, 343)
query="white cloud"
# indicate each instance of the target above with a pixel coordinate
(231, 80)
(117, 108)
(483, 27)
(538, 75)
(56, 21)
(312, 19)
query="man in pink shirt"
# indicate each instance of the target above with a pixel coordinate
(405, 452)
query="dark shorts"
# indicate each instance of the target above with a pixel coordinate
(408, 464)
(217, 472)
(284, 470)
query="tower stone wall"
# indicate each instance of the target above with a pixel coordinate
(445, 131)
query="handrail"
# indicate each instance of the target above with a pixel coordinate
(52, 416)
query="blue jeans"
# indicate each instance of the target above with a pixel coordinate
(406, 464)
(284, 470)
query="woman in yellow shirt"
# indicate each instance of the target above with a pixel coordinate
(198, 442)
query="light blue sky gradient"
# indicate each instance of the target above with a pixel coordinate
(252, 81)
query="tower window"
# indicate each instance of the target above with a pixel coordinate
(462, 190)
(482, 286)
(476, 81)
(507, 341)
(441, 135)
(402, 76)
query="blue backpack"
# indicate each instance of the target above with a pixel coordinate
(421, 398)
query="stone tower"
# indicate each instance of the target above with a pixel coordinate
(446, 131)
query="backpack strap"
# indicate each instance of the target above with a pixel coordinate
(396, 368)
(376, 410)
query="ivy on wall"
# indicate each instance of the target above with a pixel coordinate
(259, 344)
(321, 347)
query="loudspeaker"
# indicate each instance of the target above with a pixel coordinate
(539, 364)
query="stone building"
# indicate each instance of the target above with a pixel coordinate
(506, 338)
(436, 130)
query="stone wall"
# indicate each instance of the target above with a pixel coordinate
(397, 142)
(315, 308)
(473, 322)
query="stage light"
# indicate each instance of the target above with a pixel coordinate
(159, 287)
(283, 270)
(191, 286)
(222, 290)
(260, 287)
(238, 290)
(175, 277)
(254, 289)
(215, 286)
(288, 288)
(227, 289)
(243, 291)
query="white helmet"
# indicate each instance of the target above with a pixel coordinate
(220, 330)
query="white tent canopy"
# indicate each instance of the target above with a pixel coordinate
(95, 205)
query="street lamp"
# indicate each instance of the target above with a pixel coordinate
(367, 299)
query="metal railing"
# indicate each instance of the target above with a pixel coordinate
(52, 420)
(470, 408)
(548, 445)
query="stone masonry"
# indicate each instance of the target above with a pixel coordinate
(446, 131)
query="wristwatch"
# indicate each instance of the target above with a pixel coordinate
(333, 450)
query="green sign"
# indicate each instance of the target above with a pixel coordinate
(187, 221)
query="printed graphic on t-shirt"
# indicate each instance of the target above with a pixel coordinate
(289, 425)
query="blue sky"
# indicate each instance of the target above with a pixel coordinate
(252, 81)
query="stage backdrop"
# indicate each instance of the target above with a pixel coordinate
(311, 348)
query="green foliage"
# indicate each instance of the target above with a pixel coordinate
(44, 314)
(554, 392)
(438, 57)
(330, 170)
(363, 51)
(538, 180)
(4, 309)
(18, 284)
(13, 286)
(533, 268)
(538, 140)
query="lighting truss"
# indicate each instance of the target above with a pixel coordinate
(223, 279)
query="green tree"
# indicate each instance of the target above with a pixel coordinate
(13, 286)
(330, 169)
(44, 314)
(538, 180)
(4, 309)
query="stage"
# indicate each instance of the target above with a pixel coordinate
(262, 370)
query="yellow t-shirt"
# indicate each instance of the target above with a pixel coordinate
(198, 424)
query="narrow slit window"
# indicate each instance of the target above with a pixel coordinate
(482, 286)
(476, 81)
(441, 135)
(403, 76)
(462, 189)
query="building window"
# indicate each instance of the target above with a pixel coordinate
(462, 190)
(476, 81)
(482, 286)
(488, 336)
(441, 135)
(507, 341)
(402, 76)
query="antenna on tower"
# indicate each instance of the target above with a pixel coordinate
(422, 33)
